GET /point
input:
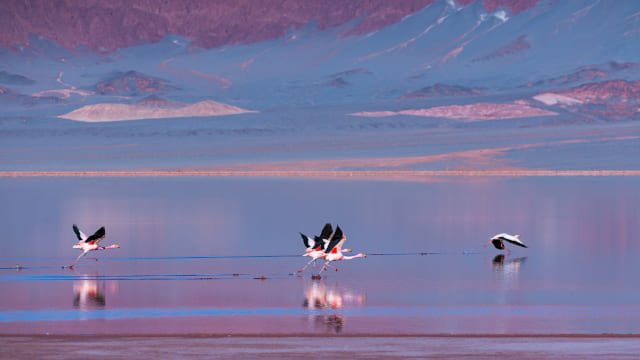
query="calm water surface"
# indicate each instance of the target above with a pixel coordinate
(218, 256)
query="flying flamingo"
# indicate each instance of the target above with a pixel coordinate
(89, 243)
(334, 250)
(315, 247)
(497, 241)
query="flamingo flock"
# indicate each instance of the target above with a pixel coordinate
(327, 246)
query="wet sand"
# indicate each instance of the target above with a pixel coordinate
(315, 347)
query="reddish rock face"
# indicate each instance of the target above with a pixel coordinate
(516, 46)
(107, 26)
(440, 90)
(132, 83)
(615, 91)
(601, 72)
(7, 92)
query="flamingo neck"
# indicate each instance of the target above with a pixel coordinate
(354, 256)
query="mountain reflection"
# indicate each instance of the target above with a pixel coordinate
(319, 296)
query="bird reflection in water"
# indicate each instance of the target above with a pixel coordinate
(319, 296)
(501, 263)
(507, 270)
(89, 292)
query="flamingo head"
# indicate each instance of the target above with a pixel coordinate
(346, 250)
(112, 247)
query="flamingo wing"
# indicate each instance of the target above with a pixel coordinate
(337, 238)
(306, 240)
(81, 236)
(97, 236)
(515, 241)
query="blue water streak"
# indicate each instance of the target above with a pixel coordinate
(116, 314)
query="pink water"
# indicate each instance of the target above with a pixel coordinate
(219, 256)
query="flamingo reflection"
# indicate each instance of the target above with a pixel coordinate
(507, 272)
(318, 296)
(511, 266)
(89, 294)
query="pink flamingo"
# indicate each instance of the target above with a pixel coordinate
(333, 250)
(315, 247)
(497, 241)
(88, 243)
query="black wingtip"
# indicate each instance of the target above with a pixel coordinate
(304, 240)
(338, 234)
(77, 231)
(99, 234)
(327, 230)
(335, 239)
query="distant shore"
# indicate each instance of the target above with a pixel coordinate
(338, 174)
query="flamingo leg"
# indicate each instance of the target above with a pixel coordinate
(324, 267)
(332, 266)
(78, 258)
(312, 261)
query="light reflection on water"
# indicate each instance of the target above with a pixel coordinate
(198, 249)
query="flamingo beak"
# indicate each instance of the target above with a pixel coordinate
(364, 255)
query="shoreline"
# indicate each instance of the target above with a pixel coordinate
(338, 174)
(328, 335)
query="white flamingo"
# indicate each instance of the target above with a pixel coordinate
(497, 241)
(88, 243)
(333, 250)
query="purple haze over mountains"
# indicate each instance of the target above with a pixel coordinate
(306, 69)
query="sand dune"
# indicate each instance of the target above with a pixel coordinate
(119, 112)
(473, 112)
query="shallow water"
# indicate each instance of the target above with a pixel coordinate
(219, 256)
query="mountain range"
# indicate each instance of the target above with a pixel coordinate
(288, 69)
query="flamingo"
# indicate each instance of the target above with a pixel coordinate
(497, 241)
(89, 243)
(333, 250)
(315, 247)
